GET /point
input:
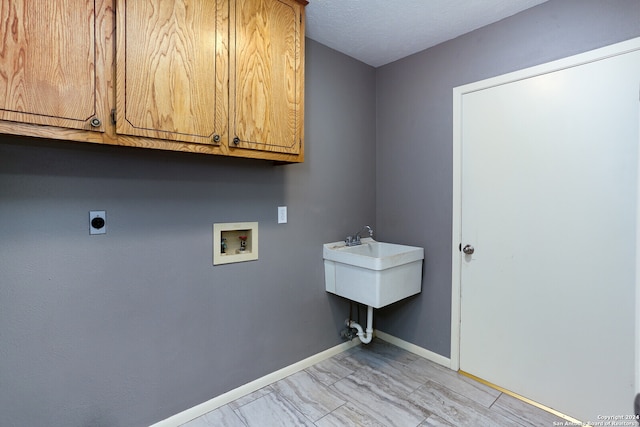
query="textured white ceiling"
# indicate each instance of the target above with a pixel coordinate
(381, 31)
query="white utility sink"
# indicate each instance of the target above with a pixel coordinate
(373, 273)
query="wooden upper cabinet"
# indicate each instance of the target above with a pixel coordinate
(52, 71)
(172, 69)
(206, 76)
(266, 104)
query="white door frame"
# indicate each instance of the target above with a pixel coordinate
(458, 93)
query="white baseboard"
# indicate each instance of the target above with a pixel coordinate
(221, 400)
(422, 352)
(218, 401)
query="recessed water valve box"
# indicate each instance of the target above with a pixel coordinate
(235, 242)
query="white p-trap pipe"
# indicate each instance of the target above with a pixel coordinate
(368, 336)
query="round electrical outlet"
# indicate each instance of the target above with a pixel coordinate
(97, 223)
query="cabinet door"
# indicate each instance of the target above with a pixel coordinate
(172, 73)
(266, 94)
(48, 63)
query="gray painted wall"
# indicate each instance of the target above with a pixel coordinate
(129, 328)
(414, 136)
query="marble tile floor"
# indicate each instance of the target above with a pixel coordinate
(376, 385)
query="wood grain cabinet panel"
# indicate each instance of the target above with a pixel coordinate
(172, 69)
(266, 97)
(50, 64)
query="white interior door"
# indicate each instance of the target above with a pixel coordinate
(548, 202)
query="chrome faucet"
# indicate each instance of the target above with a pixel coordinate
(355, 239)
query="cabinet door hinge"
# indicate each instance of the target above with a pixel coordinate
(113, 116)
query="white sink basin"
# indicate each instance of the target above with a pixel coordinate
(373, 273)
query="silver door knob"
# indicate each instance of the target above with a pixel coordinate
(468, 249)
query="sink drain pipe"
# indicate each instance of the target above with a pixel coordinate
(364, 337)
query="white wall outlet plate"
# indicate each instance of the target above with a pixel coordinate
(282, 214)
(97, 222)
